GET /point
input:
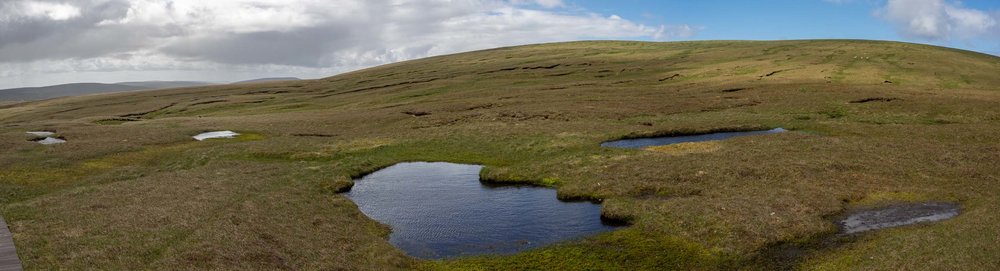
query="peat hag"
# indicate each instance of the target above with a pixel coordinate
(637, 143)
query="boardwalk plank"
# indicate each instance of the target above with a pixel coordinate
(8, 254)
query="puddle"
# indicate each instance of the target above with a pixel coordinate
(217, 134)
(50, 140)
(637, 143)
(47, 137)
(441, 210)
(897, 215)
(851, 226)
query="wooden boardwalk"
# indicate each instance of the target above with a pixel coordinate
(8, 255)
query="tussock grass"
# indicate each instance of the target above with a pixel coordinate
(687, 148)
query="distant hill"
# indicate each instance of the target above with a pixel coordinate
(165, 84)
(48, 92)
(41, 93)
(272, 79)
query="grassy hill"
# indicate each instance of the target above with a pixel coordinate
(873, 123)
(41, 93)
(48, 92)
(165, 84)
(270, 79)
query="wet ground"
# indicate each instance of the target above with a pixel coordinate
(897, 215)
(50, 141)
(441, 210)
(851, 226)
(47, 138)
(216, 134)
(637, 143)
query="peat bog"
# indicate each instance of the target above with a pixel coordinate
(442, 210)
(268, 199)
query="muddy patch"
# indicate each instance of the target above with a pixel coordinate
(214, 135)
(114, 121)
(209, 102)
(416, 113)
(143, 114)
(897, 215)
(873, 99)
(267, 91)
(444, 210)
(404, 83)
(540, 67)
(637, 143)
(761, 77)
(851, 226)
(670, 77)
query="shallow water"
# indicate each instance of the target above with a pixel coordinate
(441, 210)
(636, 143)
(217, 134)
(898, 215)
(51, 141)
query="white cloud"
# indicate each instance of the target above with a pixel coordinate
(318, 37)
(939, 20)
(36, 9)
(230, 16)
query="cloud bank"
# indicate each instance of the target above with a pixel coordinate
(940, 20)
(282, 36)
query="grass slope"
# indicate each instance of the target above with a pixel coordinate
(132, 191)
(41, 93)
(48, 92)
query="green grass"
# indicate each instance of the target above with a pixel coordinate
(144, 195)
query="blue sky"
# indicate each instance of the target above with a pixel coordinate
(786, 19)
(47, 42)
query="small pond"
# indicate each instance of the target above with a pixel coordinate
(217, 134)
(50, 141)
(47, 138)
(637, 143)
(897, 215)
(442, 210)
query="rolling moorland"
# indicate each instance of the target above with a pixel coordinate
(871, 123)
(48, 92)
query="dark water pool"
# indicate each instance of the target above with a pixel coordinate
(667, 140)
(441, 210)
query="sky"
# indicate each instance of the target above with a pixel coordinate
(48, 42)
